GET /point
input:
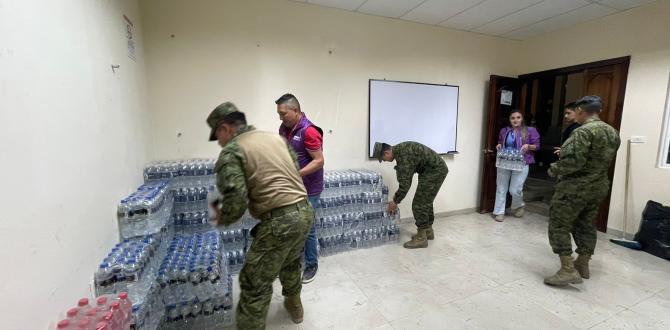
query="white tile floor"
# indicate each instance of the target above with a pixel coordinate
(479, 274)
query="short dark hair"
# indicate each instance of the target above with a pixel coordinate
(591, 104)
(570, 105)
(385, 147)
(236, 118)
(290, 100)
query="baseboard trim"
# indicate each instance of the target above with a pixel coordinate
(615, 233)
(443, 214)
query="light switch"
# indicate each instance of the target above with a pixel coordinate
(638, 139)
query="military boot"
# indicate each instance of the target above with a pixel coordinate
(294, 307)
(418, 241)
(582, 265)
(430, 234)
(566, 275)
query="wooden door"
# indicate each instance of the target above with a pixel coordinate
(498, 113)
(608, 82)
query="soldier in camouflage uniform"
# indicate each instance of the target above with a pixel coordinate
(582, 185)
(258, 170)
(414, 157)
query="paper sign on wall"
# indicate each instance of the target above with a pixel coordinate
(506, 97)
(129, 38)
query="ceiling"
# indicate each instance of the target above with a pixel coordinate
(512, 19)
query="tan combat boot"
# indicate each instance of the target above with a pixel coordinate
(430, 234)
(566, 275)
(418, 241)
(294, 307)
(582, 265)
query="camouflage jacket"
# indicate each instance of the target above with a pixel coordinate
(587, 154)
(413, 157)
(231, 180)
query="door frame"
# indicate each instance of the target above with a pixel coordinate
(624, 61)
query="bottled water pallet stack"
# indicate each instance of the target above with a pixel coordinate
(351, 213)
(196, 285)
(171, 261)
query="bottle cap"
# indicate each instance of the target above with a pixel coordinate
(102, 300)
(63, 324)
(115, 305)
(72, 312)
(102, 326)
(83, 323)
(82, 302)
(123, 295)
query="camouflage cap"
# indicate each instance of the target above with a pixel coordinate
(377, 151)
(214, 118)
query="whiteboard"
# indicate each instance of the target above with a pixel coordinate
(406, 111)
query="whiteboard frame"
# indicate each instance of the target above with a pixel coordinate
(458, 97)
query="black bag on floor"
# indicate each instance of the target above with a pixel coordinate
(654, 232)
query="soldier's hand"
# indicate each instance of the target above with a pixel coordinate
(392, 208)
(524, 148)
(557, 151)
(498, 147)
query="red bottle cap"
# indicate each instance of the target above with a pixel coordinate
(72, 312)
(102, 300)
(123, 295)
(82, 302)
(63, 324)
(101, 326)
(83, 323)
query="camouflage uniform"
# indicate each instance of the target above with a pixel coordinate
(414, 157)
(583, 184)
(278, 238)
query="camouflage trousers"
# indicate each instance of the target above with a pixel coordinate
(573, 209)
(276, 250)
(422, 204)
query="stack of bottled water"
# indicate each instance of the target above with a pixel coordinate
(146, 211)
(195, 283)
(351, 212)
(107, 312)
(510, 159)
(348, 182)
(182, 173)
(191, 181)
(130, 266)
(237, 240)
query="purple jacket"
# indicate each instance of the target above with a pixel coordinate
(313, 182)
(532, 138)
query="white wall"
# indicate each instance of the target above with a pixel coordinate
(73, 139)
(641, 33)
(251, 52)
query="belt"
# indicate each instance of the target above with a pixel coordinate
(283, 210)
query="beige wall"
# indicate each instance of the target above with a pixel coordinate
(251, 52)
(71, 125)
(643, 34)
(73, 140)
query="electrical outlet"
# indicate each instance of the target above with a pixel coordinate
(638, 139)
